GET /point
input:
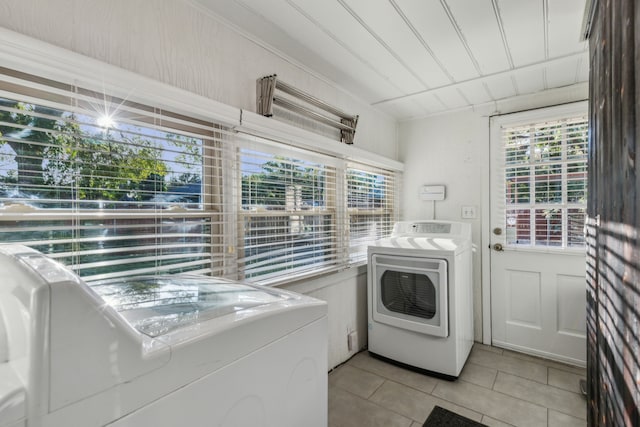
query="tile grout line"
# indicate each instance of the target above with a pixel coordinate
(495, 378)
(546, 371)
(377, 404)
(384, 380)
(547, 417)
(487, 416)
(508, 373)
(475, 410)
(541, 361)
(538, 382)
(560, 411)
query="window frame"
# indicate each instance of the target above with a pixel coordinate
(56, 66)
(357, 246)
(497, 181)
(35, 90)
(263, 148)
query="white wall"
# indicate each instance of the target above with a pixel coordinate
(452, 149)
(176, 43)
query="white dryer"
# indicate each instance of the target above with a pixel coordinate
(181, 350)
(420, 296)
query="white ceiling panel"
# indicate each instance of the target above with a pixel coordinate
(583, 70)
(434, 27)
(335, 19)
(451, 98)
(501, 87)
(429, 102)
(564, 27)
(479, 26)
(562, 74)
(529, 80)
(524, 30)
(404, 108)
(394, 33)
(475, 92)
(465, 52)
(330, 57)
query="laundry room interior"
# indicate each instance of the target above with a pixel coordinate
(339, 213)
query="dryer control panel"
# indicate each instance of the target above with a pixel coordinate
(432, 228)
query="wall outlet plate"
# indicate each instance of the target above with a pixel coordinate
(352, 341)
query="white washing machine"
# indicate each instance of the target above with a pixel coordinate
(420, 296)
(182, 350)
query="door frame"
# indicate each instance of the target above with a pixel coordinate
(495, 121)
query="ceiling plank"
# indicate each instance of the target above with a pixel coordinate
(529, 80)
(524, 30)
(479, 30)
(475, 92)
(434, 28)
(337, 21)
(559, 75)
(567, 62)
(413, 58)
(391, 31)
(501, 86)
(564, 26)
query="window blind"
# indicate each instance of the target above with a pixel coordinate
(108, 186)
(114, 186)
(288, 214)
(545, 183)
(371, 208)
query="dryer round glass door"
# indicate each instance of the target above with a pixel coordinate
(411, 293)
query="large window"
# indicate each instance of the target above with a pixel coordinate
(288, 214)
(111, 187)
(106, 186)
(545, 187)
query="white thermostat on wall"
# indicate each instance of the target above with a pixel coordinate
(432, 192)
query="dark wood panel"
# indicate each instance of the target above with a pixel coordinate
(613, 236)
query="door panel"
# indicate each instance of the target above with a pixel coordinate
(524, 299)
(538, 268)
(539, 312)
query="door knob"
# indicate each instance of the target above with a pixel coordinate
(497, 247)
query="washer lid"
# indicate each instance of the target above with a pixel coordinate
(157, 305)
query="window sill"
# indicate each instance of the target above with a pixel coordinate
(319, 279)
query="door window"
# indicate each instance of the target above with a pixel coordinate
(545, 183)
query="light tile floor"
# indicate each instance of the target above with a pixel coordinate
(496, 387)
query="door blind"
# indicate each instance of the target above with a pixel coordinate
(545, 183)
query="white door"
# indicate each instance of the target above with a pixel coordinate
(537, 256)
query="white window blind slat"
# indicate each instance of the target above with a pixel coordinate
(139, 195)
(371, 202)
(156, 191)
(545, 170)
(287, 208)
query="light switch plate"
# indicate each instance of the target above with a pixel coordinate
(469, 212)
